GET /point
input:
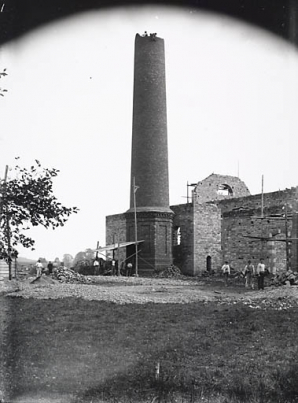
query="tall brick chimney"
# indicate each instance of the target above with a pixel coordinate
(149, 156)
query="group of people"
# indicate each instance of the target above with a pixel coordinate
(41, 269)
(249, 273)
(126, 268)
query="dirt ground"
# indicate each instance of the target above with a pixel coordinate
(126, 290)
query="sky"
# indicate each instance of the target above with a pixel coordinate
(232, 91)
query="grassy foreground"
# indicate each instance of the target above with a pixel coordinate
(99, 351)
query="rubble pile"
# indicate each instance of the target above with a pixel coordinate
(65, 275)
(285, 278)
(278, 304)
(169, 272)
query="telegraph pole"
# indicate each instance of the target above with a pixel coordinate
(287, 236)
(262, 200)
(4, 192)
(135, 188)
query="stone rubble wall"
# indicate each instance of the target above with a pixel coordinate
(207, 237)
(273, 201)
(183, 254)
(221, 232)
(241, 218)
(207, 189)
(238, 248)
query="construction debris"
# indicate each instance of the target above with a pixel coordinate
(285, 278)
(169, 272)
(65, 275)
(278, 304)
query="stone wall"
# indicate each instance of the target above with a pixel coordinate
(238, 248)
(274, 200)
(207, 237)
(219, 187)
(294, 258)
(241, 219)
(116, 232)
(183, 253)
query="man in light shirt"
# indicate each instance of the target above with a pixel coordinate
(261, 274)
(39, 268)
(226, 271)
(249, 272)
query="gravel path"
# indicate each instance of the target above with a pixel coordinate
(117, 290)
(123, 290)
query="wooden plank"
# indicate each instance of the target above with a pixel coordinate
(4, 269)
(271, 238)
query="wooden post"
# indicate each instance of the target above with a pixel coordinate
(15, 268)
(113, 251)
(8, 246)
(262, 199)
(4, 192)
(135, 188)
(118, 255)
(157, 370)
(6, 222)
(287, 236)
(187, 193)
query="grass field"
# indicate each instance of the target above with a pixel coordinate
(91, 351)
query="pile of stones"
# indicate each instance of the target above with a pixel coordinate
(169, 272)
(65, 275)
(278, 304)
(285, 278)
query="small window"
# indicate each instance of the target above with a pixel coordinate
(177, 236)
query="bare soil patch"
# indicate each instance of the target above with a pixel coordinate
(136, 290)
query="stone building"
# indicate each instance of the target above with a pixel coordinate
(224, 222)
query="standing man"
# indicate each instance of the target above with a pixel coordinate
(249, 272)
(39, 268)
(226, 270)
(261, 274)
(113, 267)
(129, 269)
(50, 267)
(96, 267)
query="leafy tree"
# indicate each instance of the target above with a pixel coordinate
(86, 257)
(3, 74)
(67, 260)
(27, 200)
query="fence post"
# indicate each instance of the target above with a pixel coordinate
(157, 370)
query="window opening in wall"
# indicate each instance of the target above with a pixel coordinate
(224, 190)
(208, 263)
(177, 236)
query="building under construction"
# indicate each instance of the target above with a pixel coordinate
(221, 221)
